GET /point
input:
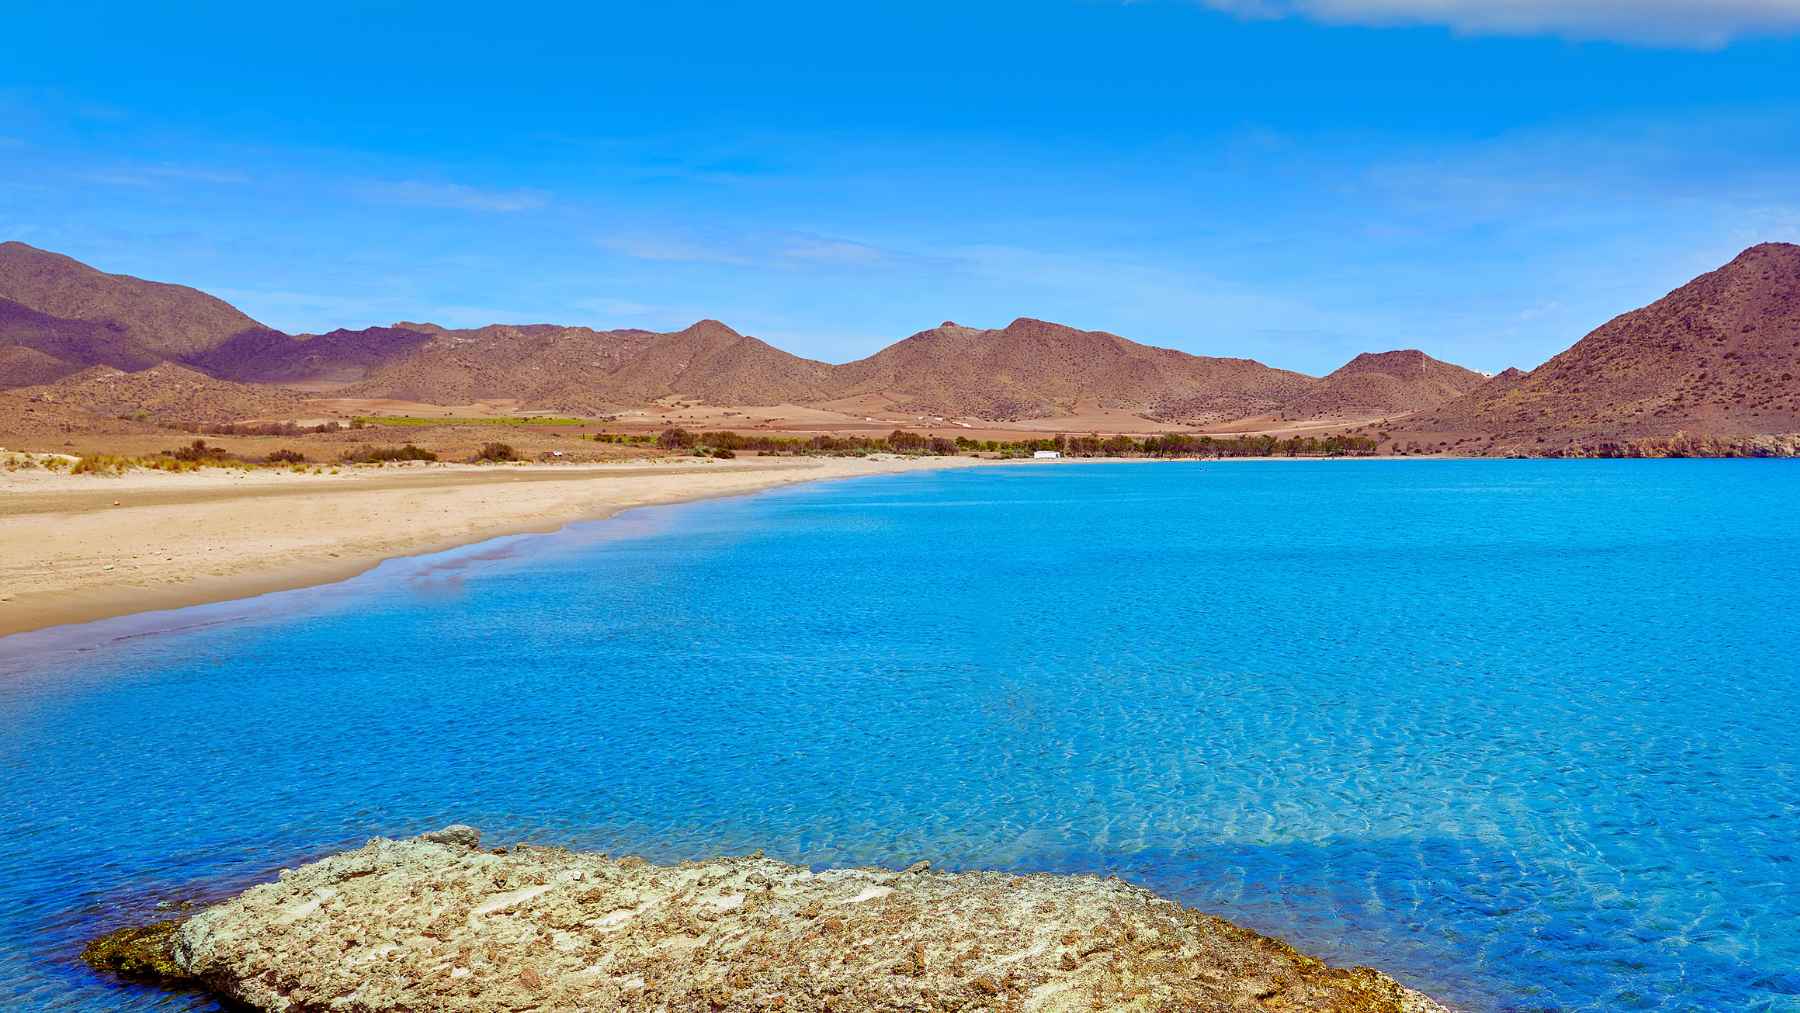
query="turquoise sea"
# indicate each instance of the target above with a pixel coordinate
(1525, 734)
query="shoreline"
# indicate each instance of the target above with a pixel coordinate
(79, 549)
(76, 549)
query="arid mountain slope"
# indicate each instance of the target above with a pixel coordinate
(542, 364)
(37, 347)
(23, 367)
(1384, 382)
(1719, 356)
(582, 370)
(171, 321)
(711, 362)
(337, 357)
(167, 393)
(1032, 368)
(30, 422)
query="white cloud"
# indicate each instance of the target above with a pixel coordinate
(834, 251)
(791, 249)
(457, 196)
(1703, 24)
(672, 250)
(610, 307)
(150, 175)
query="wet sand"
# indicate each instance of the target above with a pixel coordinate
(75, 548)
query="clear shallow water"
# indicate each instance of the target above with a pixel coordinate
(1521, 733)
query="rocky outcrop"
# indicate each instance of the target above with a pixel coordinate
(439, 924)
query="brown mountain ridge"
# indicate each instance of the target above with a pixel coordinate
(1716, 357)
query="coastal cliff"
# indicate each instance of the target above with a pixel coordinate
(438, 923)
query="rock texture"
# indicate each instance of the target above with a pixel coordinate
(437, 924)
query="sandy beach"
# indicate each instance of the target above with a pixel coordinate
(75, 548)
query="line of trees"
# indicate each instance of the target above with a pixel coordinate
(901, 441)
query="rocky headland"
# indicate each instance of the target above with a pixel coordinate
(439, 923)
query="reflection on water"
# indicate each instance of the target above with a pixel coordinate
(1517, 732)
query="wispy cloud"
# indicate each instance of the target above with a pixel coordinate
(831, 251)
(673, 249)
(456, 196)
(153, 174)
(1705, 24)
(197, 174)
(612, 308)
(777, 249)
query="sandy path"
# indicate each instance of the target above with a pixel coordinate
(69, 554)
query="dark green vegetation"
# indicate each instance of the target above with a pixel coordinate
(143, 954)
(425, 420)
(257, 428)
(901, 441)
(382, 455)
(197, 452)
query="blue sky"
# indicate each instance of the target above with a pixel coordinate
(1293, 180)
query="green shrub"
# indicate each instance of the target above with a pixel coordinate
(382, 455)
(496, 452)
(196, 452)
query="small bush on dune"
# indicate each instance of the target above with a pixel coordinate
(196, 451)
(381, 455)
(99, 464)
(287, 457)
(496, 452)
(725, 453)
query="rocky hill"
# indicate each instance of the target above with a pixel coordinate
(337, 357)
(36, 347)
(167, 394)
(1384, 383)
(31, 422)
(1033, 368)
(567, 368)
(711, 362)
(167, 321)
(1718, 357)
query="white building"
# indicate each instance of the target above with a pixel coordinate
(1046, 455)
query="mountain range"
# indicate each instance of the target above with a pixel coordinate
(1717, 357)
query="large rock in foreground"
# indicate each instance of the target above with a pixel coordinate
(440, 925)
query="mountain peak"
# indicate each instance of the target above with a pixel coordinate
(709, 328)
